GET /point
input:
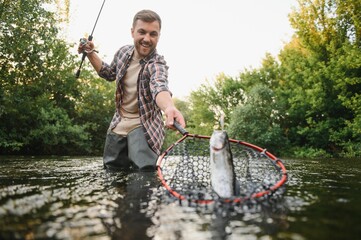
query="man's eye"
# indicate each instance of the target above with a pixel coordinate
(141, 32)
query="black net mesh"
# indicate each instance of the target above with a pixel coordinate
(186, 170)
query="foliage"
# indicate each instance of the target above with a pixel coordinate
(210, 102)
(257, 120)
(95, 108)
(42, 104)
(309, 152)
(306, 103)
(202, 118)
(321, 67)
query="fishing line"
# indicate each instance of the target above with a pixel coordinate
(77, 74)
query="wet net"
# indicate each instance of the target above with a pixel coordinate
(184, 169)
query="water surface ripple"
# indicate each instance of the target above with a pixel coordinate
(75, 198)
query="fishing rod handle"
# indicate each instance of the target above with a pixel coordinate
(90, 38)
(77, 74)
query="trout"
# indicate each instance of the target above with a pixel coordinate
(223, 179)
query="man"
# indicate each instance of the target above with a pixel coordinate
(136, 132)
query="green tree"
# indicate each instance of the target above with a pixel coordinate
(95, 108)
(268, 74)
(313, 88)
(317, 115)
(201, 117)
(209, 102)
(43, 108)
(257, 120)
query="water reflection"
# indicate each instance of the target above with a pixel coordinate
(130, 219)
(75, 198)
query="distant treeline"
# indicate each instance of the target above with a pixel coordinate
(305, 102)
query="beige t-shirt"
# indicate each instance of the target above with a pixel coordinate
(129, 108)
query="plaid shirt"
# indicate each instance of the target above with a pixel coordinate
(152, 79)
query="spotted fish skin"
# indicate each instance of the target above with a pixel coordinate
(221, 165)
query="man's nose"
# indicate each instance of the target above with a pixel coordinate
(146, 37)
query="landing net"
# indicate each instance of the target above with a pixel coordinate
(184, 170)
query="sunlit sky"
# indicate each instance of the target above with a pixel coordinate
(199, 38)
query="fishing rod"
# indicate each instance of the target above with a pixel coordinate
(83, 41)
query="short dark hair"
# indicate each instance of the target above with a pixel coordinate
(147, 16)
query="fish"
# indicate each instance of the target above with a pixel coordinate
(223, 178)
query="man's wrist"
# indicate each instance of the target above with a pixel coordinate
(91, 51)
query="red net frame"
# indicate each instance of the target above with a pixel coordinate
(252, 152)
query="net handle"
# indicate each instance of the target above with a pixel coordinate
(180, 129)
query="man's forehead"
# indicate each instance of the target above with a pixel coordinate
(146, 25)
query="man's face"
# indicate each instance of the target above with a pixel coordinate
(146, 36)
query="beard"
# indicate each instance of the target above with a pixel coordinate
(144, 48)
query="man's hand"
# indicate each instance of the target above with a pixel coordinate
(85, 46)
(172, 113)
(165, 102)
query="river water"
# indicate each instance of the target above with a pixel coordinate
(75, 198)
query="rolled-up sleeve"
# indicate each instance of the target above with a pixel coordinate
(107, 72)
(118, 66)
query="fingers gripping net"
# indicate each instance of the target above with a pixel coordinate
(185, 171)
